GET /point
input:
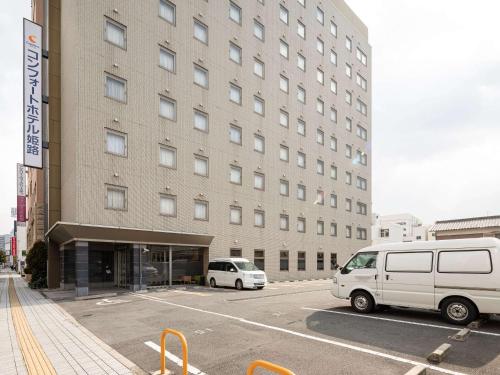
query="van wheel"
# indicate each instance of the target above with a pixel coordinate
(212, 283)
(458, 310)
(239, 284)
(362, 302)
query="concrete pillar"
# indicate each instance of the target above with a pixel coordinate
(53, 277)
(136, 268)
(82, 268)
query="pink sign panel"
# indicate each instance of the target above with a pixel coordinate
(21, 208)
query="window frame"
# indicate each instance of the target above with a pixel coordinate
(120, 26)
(409, 252)
(174, 198)
(120, 134)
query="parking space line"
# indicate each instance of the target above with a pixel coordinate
(307, 336)
(399, 321)
(178, 361)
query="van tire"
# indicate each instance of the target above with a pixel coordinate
(362, 302)
(457, 310)
(239, 284)
(213, 284)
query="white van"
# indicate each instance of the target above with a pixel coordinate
(237, 272)
(460, 278)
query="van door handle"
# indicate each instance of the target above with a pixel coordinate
(387, 277)
(376, 277)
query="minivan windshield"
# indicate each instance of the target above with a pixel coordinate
(361, 260)
(246, 266)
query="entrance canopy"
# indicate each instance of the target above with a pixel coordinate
(62, 233)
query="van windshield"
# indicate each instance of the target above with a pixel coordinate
(246, 266)
(361, 260)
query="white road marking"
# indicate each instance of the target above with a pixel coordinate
(309, 337)
(178, 361)
(107, 301)
(193, 293)
(398, 321)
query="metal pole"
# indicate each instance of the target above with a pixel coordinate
(170, 265)
(140, 268)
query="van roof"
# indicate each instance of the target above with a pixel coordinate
(229, 260)
(485, 242)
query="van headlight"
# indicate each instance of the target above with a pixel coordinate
(335, 280)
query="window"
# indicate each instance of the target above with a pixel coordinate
(361, 183)
(235, 93)
(116, 88)
(361, 208)
(284, 118)
(348, 204)
(361, 158)
(301, 127)
(409, 262)
(167, 11)
(348, 178)
(283, 153)
(320, 76)
(201, 165)
(235, 215)
(320, 46)
(200, 121)
(283, 48)
(320, 197)
(258, 68)
(348, 151)
(320, 261)
(284, 260)
(259, 143)
(168, 205)
(333, 28)
(200, 76)
(333, 200)
(361, 261)
(301, 30)
(259, 259)
(116, 198)
(301, 261)
(116, 143)
(259, 181)
(348, 124)
(320, 106)
(348, 70)
(301, 192)
(384, 233)
(471, 261)
(115, 33)
(320, 137)
(301, 225)
(361, 234)
(320, 167)
(333, 143)
(284, 14)
(168, 108)
(348, 97)
(200, 210)
(348, 231)
(235, 134)
(360, 81)
(333, 261)
(360, 55)
(301, 62)
(320, 15)
(333, 86)
(333, 115)
(200, 31)
(235, 12)
(284, 222)
(348, 43)
(361, 107)
(234, 53)
(320, 227)
(283, 83)
(333, 57)
(362, 132)
(167, 59)
(301, 159)
(284, 188)
(259, 218)
(235, 175)
(301, 94)
(168, 157)
(258, 105)
(235, 253)
(333, 229)
(333, 172)
(258, 30)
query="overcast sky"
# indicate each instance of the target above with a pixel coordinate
(436, 106)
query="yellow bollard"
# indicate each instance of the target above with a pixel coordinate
(184, 350)
(268, 366)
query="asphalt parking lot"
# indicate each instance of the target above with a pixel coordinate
(298, 325)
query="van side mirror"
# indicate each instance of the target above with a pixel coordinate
(232, 269)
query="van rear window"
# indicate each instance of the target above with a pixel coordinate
(466, 261)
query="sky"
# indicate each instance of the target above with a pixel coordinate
(436, 106)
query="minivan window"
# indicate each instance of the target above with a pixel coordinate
(418, 261)
(361, 260)
(215, 266)
(466, 261)
(246, 266)
(230, 267)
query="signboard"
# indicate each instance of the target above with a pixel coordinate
(21, 193)
(32, 101)
(13, 246)
(13, 212)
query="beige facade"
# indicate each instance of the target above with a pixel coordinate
(89, 170)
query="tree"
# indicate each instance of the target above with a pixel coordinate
(36, 260)
(3, 257)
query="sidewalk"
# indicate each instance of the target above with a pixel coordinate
(39, 337)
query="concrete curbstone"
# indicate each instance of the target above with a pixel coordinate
(461, 335)
(439, 354)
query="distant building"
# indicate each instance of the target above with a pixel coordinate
(398, 228)
(485, 226)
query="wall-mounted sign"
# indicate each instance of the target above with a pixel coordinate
(21, 193)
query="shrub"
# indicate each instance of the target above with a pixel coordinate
(27, 271)
(36, 261)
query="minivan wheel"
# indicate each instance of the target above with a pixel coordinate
(212, 283)
(362, 302)
(458, 311)
(239, 284)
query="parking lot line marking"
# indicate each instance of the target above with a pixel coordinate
(193, 293)
(178, 361)
(307, 336)
(399, 321)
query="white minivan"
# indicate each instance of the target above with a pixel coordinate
(460, 278)
(237, 272)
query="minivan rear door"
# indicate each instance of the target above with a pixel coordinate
(409, 279)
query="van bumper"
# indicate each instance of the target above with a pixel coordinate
(253, 284)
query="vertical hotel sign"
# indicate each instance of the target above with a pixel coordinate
(32, 111)
(21, 193)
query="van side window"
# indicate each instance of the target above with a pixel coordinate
(466, 261)
(361, 260)
(413, 262)
(229, 267)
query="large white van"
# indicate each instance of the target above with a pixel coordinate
(460, 278)
(236, 272)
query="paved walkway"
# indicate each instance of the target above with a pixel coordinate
(39, 337)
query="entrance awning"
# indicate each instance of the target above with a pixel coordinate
(62, 232)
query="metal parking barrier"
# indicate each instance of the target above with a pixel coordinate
(268, 366)
(184, 350)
